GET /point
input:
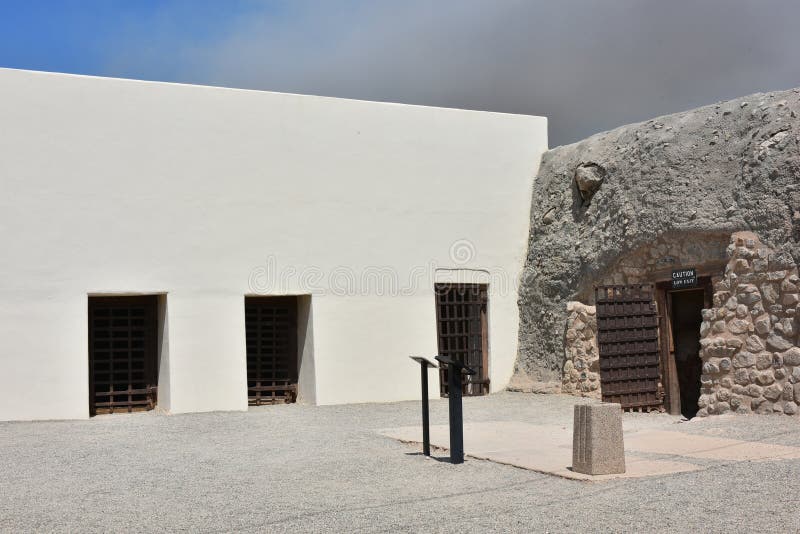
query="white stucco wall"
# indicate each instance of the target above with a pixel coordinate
(117, 186)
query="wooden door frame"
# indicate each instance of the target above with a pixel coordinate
(669, 370)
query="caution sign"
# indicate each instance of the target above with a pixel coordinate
(682, 278)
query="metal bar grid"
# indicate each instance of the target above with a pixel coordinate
(628, 343)
(123, 366)
(462, 334)
(271, 335)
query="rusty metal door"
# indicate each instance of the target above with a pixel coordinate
(627, 338)
(271, 330)
(462, 333)
(123, 354)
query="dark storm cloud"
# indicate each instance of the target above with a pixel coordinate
(586, 65)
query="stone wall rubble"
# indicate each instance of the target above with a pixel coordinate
(581, 374)
(749, 339)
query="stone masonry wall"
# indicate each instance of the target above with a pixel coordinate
(581, 374)
(749, 339)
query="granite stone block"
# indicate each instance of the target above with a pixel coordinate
(597, 444)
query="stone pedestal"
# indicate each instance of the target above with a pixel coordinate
(597, 446)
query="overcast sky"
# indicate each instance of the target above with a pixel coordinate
(586, 65)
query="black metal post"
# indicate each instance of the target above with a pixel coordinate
(424, 364)
(456, 414)
(426, 430)
(454, 394)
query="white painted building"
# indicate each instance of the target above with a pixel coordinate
(200, 197)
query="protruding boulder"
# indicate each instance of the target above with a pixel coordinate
(588, 178)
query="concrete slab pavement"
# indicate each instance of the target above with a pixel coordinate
(548, 448)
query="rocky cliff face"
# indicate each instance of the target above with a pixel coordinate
(692, 177)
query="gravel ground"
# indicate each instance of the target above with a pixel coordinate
(311, 469)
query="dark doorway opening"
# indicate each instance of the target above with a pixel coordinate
(686, 316)
(462, 330)
(271, 330)
(123, 354)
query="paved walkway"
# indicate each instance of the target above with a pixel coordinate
(548, 448)
(327, 469)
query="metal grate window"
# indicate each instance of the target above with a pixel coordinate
(462, 333)
(271, 330)
(627, 339)
(123, 355)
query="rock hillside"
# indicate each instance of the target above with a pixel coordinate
(698, 175)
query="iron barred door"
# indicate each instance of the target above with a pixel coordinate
(271, 330)
(627, 338)
(462, 333)
(123, 354)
